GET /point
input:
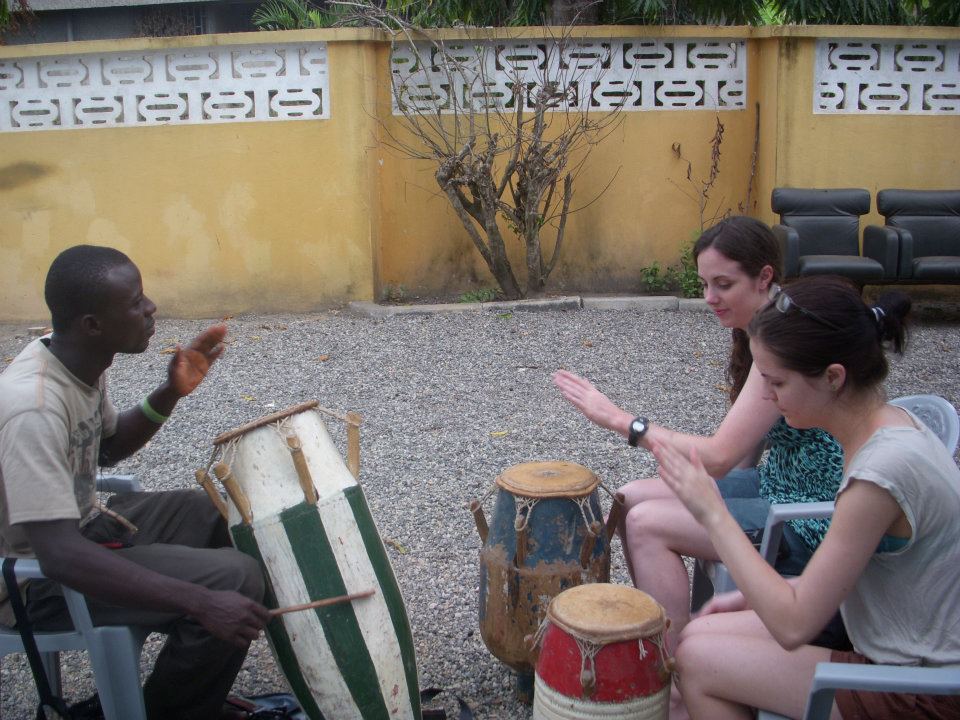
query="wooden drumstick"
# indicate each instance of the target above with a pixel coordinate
(207, 484)
(303, 472)
(230, 484)
(353, 443)
(322, 603)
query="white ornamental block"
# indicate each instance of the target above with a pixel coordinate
(594, 75)
(887, 77)
(285, 81)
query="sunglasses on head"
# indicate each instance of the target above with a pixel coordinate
(784, 303)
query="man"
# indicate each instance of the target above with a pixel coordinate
(176, 574)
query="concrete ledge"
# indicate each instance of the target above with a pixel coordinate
(694, 305)
(639, 303)
(564, 302)
(375, 310)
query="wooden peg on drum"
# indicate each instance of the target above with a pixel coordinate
(589, 541)
(480, 519)
(616, 512)
(353, 443)
(230, 484)
(203, 478)
(303, 472)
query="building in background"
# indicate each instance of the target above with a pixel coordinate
(66, 20)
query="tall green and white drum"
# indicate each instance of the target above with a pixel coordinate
(298, 509)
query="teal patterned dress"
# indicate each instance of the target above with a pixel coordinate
(801, 466)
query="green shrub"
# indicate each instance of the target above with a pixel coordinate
(482, 295)
(680, 277)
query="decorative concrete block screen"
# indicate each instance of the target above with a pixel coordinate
(632, 74)
(157, 87)
(887, 76)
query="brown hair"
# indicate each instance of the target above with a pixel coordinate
(751, 244)
(804, 341)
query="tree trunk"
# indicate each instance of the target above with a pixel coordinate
(569, 12)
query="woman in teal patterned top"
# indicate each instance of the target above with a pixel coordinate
(738, 261)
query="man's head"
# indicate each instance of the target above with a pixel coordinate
(97, 291)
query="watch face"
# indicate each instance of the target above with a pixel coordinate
(638, 426)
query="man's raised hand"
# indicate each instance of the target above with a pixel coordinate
(191, 364)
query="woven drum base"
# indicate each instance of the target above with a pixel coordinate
(548, 704)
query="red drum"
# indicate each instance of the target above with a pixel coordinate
(602, 656)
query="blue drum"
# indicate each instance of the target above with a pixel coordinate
(547, 534)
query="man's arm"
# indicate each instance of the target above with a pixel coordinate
(69, 558)
(188, 367)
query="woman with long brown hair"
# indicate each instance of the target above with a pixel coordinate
(738, 261)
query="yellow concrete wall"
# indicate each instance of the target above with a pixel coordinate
(920, 152)
(221, 218)
(296, 215)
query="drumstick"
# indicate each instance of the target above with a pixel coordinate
(322, 603)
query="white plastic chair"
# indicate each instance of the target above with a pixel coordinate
(830, 677)
(711, 577)
(114, 649)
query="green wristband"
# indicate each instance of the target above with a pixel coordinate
(147, 409)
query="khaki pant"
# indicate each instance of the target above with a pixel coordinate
(183, 536)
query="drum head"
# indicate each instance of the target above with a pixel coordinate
(265, 420)
(548, 479)
(605, 613)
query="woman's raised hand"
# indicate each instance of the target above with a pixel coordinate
(596, 406)
(689, 480)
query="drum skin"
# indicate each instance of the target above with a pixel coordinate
(513, 599)
(351, 660)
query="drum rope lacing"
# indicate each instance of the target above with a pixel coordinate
(525, 505)
(584, 504)
(524, 508)
(590, 648)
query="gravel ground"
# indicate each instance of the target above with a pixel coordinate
(448, 401)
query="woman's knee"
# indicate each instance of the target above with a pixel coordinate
(639, 491)
(696, 652)
(643, 523)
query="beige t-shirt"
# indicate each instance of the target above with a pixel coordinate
(50, 428)
(905, 608)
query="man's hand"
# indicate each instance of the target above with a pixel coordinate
(231, 617)
(190, 364)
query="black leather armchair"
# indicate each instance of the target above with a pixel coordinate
(927, 225)
(819, 234)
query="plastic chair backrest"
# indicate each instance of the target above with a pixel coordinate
(937, 414)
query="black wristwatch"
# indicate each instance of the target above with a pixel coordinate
(638, 428)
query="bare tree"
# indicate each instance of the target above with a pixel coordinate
(508, 134)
